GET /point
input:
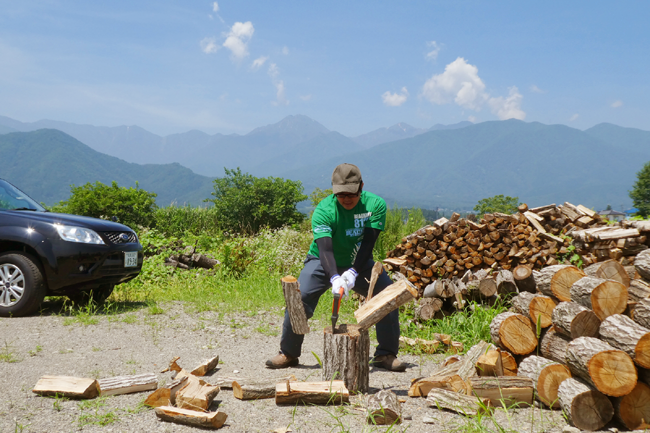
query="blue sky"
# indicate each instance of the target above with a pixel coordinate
(230, 66)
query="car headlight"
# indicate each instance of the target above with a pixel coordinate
(78, 234)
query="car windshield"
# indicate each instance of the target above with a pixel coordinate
(11, 198)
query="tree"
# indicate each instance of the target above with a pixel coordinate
(132, 206)
(640, 193)
(498, 203)
(318, 195)
(246, 203)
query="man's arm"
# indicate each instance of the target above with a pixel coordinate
(326, 255)
(364, 254)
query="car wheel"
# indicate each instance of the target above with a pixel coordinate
(95, 296)
(22, 288)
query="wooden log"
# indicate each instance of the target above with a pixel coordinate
(603, 297)
(165, 396)
(503, 391)
(389, 299)
(641, 313)
(127, 384)
(609, 270)
(538, 308)
(642, 263)
(196, 394)
(524, 279)
(610, 370)
(345, 356)
(66, 386)
(638, 290)
(384, 408)
(254, 390)
(557, 280)
(377, 269)
(547, 375)
(573, 320)
(295, 307)
(427, 308)
(207, 366)
(633, 410)
(328, 392)
(438, 289)
(585, 407)
(459, 403)
(425, 346)
(625, 334)
(506, 283)
(204, 261)
(513, 332)
(210, 420)
(496, 363)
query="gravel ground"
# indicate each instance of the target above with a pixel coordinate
(139, 342)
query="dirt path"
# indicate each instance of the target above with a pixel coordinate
(138, 342)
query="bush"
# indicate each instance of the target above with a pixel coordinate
(178, 221)
(640, 193)
(246, 203)
(132, 206)
(498, 203)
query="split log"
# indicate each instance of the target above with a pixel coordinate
(547, 376)
(610, 370)
(254, 390)
(557, 280)
(389, 299)
(625, 334)
(210, 420)
(496, 363)
(427, 309)
(503, 390)
(641, 313)
(206, 367)
(603, 297)
(127, 384)
(345, 356)
(438, 289)
(377, 269)
(460, 403)
(554, 345)
(329, 392)
(642, 263)
(384, 408)
(487, 285)
(165, 396)
(538, 308)
(585, 407)
(609, 270)
(633, 410)
(196, 394)
(295, 307)
(66, 386)
(506, 283)
(226, 382)
(573, 320)
(524, 279)
(638, 290)
(425, 346)
(513, 332)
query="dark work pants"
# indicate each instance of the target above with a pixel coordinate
(314, 283)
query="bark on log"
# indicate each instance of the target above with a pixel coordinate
(610, 370)
(254, 390)
(165, 396)
(547, 375)
(127, 384)
(625, 334)
(427, 308)
(206, 367)
(609, 270)
(506, 283)
(295, 307)
(438, 289)
(641, 313)
(196, 394)
(633, 410)
(603, 297)
(513, 332)
(554, 345)
(210, 420)
(459, 403)
(642, 263)
(384, 408)
(66, 386)
(503, 390)
(226, 382)
(638, 290)
(345, 356)
(329, 392)
(496, 363)
(524, 279)
(557, 280)
(535, 307)
(573, 320)
(585, 407)
(389, 299)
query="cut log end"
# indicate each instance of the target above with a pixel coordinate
(613, 372)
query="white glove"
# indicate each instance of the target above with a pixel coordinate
(351, 277)
(338, 282)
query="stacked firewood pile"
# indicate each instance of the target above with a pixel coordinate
(188, 258)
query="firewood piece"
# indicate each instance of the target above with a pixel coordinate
(503, 390)
(641, 313)
(513, 332)
(522, 208)
(610, 370)
(426, 346)
(345, 356)
(459, 403)
(609, 270)
(496, 363)
(633, 410)
(389, 299)
(524, 279)
(506, 283)
(547, 376)
(384, 408)
(127, 384)
(603, 297)
(196, 394)
(487, 287)
(204, 261)
(625, 334)
(538, 308)
(642, 263)
(586, 408)
(210, 420)
(573, 320)
(557, 280)
(165, 396)
(638, 290)
(66, 386)
(377, 269)
(254, 390)
(427, 308)
(173, 365)
(327, 392)
(438, 289)
(295, 307)
(553, 346)
(534, 220)
(206, 367)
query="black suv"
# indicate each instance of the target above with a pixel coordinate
(44, 253)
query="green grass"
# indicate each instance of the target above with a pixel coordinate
(7, 354)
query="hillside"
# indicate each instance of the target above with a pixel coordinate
(46, 162)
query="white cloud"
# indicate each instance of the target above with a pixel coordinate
(617, 104)
(305, 97)
(510, 107)
(280, 97)
(257, 63)
(209, 45)
(237, 39)
(395, 99)
(472, 119)
(536, 89)
(574, 117)
(273, 70)
(215, 7)
(285, 50)
(435, 49)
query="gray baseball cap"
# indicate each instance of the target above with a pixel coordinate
(346, 178)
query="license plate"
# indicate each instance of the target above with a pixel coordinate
(130, 259)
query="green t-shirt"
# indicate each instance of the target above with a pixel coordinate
(345, 227)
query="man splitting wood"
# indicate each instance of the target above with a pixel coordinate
(345, 226)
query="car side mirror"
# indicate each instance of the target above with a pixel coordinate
(114, 218)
